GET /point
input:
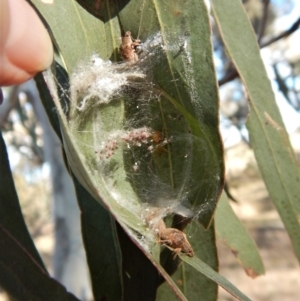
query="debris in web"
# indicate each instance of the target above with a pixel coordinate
(140, 144)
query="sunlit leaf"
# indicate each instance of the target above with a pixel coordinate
(211, 274)
(230, 231)
(273, 151)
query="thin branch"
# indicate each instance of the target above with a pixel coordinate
(286, 33)
(263, 21)
(234, 74)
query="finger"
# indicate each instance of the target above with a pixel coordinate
(25, 45)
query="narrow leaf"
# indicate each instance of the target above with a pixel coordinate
(102, 247)
(231, 232)
(186, 77)
(140, 277)
(11, 217)
(269, 139)
(213, 275)
(23, 277)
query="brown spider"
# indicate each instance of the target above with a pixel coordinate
(174, 239)
(128, 48)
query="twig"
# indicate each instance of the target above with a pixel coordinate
(263, 21)
(234, 74)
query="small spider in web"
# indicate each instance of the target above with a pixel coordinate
(173, 239)
(128, 48)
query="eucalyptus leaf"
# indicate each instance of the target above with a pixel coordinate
(269, 139)
(140, 277)
(11, 218)
(17, 264)
(102, 246)
(230, 231)
(144, 136)
(18, 256)
(202, 267)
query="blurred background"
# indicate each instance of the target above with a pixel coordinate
(47, 195)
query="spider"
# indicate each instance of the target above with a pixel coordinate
(128, 48)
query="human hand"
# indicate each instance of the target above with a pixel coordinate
(25, 45)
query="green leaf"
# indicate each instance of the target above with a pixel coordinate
(77, 34)
(98, 227)
(102, 247)
(101, 9)
(231, 232)
(274, 154)
(211, 274)
(19, 257)
(11, 217)
(177, 98)
(101, 240)
(177, 70)
(23, 277)
(186, 77)
(140, 277)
